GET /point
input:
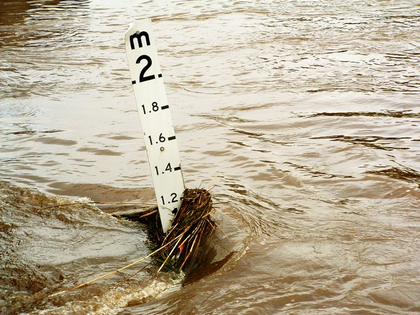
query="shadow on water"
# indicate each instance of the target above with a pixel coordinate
(386, 113)
(403, 173)
(14, 15)
(13, 12)
(34, 33)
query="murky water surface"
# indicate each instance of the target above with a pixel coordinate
(308, 112)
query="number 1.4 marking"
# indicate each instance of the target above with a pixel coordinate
(167, 169)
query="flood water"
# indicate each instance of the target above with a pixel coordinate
(306, 111)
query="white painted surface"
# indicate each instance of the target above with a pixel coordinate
(155, 119)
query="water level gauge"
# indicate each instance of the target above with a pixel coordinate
(155, 118)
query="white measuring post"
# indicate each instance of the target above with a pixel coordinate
(155, 119)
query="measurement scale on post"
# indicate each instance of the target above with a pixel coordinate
(155, 119)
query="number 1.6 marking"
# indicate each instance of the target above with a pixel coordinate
(161, 138)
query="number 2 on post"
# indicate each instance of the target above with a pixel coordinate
(142, 77)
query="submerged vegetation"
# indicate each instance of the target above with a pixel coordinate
(179, 247)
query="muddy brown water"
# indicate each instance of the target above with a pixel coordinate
(307, 111)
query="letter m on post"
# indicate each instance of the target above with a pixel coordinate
(139, 35)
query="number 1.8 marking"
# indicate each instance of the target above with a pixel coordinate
(155, 108)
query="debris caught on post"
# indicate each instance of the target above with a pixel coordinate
(191, 226)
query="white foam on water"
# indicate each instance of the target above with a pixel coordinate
(117, 299)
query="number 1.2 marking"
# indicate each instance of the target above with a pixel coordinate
(173, 200)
